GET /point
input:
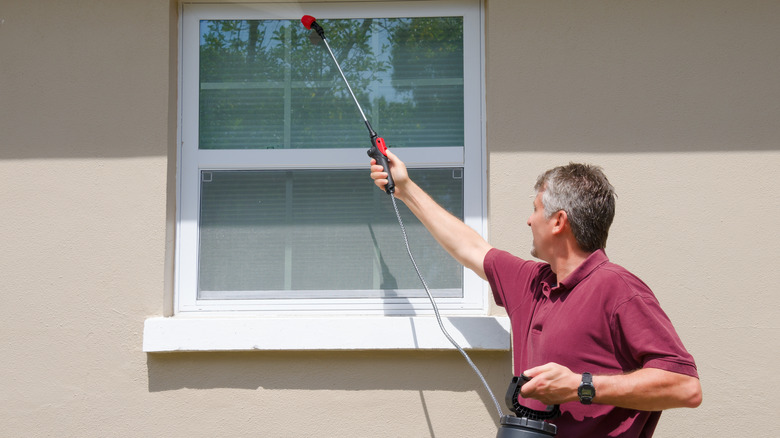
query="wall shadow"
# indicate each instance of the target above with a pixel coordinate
(326, 370)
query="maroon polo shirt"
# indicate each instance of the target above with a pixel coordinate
(602, 319)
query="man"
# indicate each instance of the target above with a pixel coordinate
(590, 335)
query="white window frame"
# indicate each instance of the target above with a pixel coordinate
(303, 325)
(193, 160)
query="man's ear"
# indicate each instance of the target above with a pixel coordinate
(560, 221)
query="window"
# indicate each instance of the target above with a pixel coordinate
(277, 214)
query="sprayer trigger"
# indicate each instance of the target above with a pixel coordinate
(380, 144)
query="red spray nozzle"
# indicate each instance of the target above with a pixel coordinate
(307, 20)
(310, 22)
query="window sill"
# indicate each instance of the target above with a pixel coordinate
(326, 333)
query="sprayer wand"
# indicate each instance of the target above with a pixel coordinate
(378, 149)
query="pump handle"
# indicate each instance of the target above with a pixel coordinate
(514, 405)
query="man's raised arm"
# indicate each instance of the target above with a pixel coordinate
(461, 241)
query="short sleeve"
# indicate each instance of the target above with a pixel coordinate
(511, 278)
(645, 335)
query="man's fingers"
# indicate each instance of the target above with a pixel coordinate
(535, 371)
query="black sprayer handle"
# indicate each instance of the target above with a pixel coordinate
(378, 152)
(514, 405)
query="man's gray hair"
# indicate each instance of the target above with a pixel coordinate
(587, 197)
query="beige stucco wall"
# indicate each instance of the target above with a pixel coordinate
(678, 100)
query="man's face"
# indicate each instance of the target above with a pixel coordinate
(540, 229)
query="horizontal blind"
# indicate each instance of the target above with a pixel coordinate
(310, 233)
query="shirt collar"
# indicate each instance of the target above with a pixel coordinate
(593, 262)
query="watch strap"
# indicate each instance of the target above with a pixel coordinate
(587, 378)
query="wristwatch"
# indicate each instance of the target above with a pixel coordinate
(586, 391)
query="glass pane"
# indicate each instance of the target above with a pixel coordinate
(271, 84)
(318, 234)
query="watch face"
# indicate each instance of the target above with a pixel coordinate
(587, 391)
